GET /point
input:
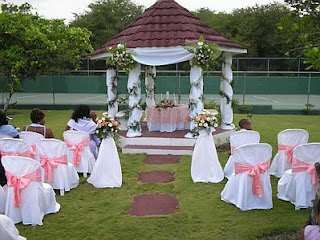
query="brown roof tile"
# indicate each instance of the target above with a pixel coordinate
(166, 24)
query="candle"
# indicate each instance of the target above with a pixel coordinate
(167, 95)
(174, 98)
(161, 97)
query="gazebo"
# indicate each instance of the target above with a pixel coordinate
(159, 37)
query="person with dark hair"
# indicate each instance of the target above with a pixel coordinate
(37, 125)
(311, 232)
(5, 128)
(81, 121)
(245, 124)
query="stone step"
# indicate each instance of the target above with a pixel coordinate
(156, 149)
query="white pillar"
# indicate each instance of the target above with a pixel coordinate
(112, 91)
(196, 92)
(135, 114)
(227, 93)
(149, 82)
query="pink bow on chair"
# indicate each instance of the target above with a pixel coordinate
(254, 172)
(20, 154)
(33, 150)
(50, 163)
(19, 183)
(77, 149)
(300, 166)
(232, 150)
(288, 151)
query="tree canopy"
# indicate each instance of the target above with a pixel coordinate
(31, 45)
(106, 18)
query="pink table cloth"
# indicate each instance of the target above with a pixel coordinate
(169, 119)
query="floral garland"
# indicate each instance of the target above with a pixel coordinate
(107, 127)
(120, 58)
(135, 126)
(204, 53)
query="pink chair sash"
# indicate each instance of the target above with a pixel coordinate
(254, 172)
(300, 166)
(50, 163)
(77, 149)
(20, 154)
(232, 150)
(33, 150)
(288, 151)
(19, 183)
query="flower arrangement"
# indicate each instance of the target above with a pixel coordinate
(205, 120)
(166, 103)
(107, 126)
(120, 58)
(204, 53)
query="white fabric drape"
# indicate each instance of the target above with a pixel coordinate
(226, 88)
(134, 89)
(107, 170)
(8, 230)
(205, 166)
(111, 83)
(149, 83)
(196, 92)
(159, 56)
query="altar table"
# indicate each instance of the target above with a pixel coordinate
(168, 119)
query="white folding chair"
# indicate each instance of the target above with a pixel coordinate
(287, 140)
(298, 185)
(15, 147)
(59, 173)
(238, 139)
(80, 154)
(28, 202)
(250, 187)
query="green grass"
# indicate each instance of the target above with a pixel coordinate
(90, 213)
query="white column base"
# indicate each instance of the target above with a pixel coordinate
(131, 133)
(227, 127)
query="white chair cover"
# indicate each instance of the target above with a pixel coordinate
(30, 137)
(87, 159)
(238, 190)
(8, 230)
(297, 187)
(205, 165)
(37, 198)
(107, 170)
(288, 137)
(5, 136)
(3, 197)
(238, 139)
(16, 147)
(64, 175)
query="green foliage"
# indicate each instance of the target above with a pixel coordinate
(313, 58)
(106, 18)
(121, 58)
(31, 45)
(253, 27)
(308, 109)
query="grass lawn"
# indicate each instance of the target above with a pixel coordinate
(90, 213)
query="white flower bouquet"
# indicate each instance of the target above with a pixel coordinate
(107, 126)
(205, 120)
(121, 58)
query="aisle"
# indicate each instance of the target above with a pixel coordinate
(156, 204)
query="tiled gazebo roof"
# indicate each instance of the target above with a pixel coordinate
(166, 24)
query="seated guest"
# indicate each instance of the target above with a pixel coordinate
(81, 121)
(5, 128)
(312, 232)
(245, 124)
(37, 119)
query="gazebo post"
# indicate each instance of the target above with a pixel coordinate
(226, 93)
(196, 92)
(135, 113)
(150, 76)
(112, 92)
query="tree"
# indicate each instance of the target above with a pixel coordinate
(106, 18)
(304, 34)
(31, 45)
(253, 27)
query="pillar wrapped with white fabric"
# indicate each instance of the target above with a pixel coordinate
(226, 92)
(134, 90)
(149, 82)
(112, 92)
(196, 92)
